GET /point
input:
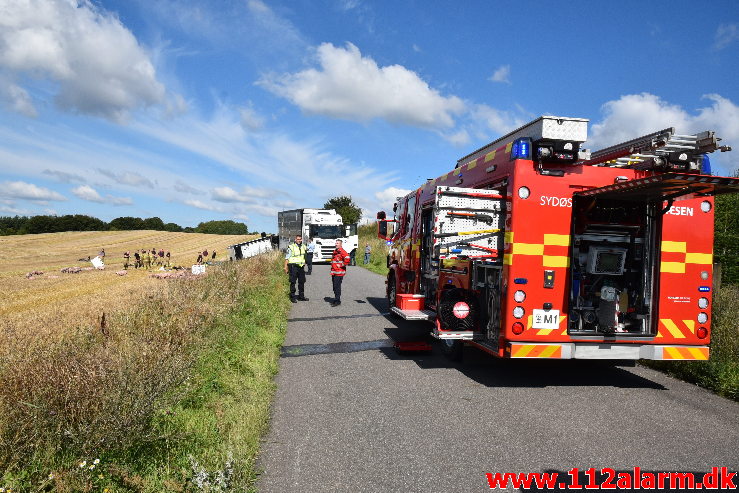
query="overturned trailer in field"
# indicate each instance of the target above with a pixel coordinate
(252, 248)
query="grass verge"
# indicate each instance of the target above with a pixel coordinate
(170, 395)
(378, 256)
(719, 374)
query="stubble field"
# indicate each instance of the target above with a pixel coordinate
(54, 301)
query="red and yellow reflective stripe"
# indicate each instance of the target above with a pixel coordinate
(536, 351)
(668, 327)
(694, 353)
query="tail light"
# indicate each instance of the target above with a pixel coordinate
(517, 328)
(702, 332)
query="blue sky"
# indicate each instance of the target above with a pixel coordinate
(199, 110)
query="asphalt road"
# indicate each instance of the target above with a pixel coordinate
(351, 414)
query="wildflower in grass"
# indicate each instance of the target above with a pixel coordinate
(92, 466)
(100, 476)
(83, 464)
(51, 475)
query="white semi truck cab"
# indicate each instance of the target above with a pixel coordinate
(324, 226)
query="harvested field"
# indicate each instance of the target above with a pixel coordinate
(54, 300)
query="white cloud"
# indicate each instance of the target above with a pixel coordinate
(16, 98)
(181, 186)
(28, 191)
(353, 87)
(387, 197)
(460, 138)
(725, 35)
(63, 176)
(199, 204)
(251, 200)
(227, 194)
(634, 115)
(502, 74)
(484, 120)
(86, 192)
(127, 178)
(99, 66)
(250, 120)
(118, 200)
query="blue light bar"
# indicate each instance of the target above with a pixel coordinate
(704, 289)
(706, 165)
(521, 149)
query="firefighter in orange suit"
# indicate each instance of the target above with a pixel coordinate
(339, 261)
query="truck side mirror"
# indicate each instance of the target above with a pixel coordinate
(382, 229)
(381, 215)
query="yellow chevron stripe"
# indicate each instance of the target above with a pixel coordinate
(672, 352)
(555, 239)
(508, 147)
(507, 259)
(523, 351)
(672, 267)
(472, 164)
(672, 328)
(457, 171)
(690, 324)
(674, 246)
(508, 236)
(548, 351)
(699, 258)
(697, 353)
(490, 156)
(556, 261)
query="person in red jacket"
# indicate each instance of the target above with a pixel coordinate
(339, 261)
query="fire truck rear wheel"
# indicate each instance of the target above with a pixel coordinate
(452, 349)
(391, 292)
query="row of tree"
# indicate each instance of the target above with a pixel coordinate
(21, 225)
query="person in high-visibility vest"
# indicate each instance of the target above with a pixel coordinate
(339, 260)
(294, 263)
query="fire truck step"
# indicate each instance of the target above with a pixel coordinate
(414, 314)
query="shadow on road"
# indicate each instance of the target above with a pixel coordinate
(336, 347)
(493, 372)
(477, 365)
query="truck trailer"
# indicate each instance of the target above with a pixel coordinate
(532, 247)
(325, 226)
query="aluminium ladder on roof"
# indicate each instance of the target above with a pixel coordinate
(655, 148)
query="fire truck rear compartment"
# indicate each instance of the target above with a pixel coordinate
(612, 267)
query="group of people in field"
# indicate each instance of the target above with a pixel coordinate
(147, 259)
(203, 257)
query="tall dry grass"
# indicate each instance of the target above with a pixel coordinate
(98, 387)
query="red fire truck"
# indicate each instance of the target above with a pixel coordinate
(535, 248)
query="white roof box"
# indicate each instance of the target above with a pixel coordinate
(544, 127)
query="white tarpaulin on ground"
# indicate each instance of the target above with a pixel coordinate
(97, 262)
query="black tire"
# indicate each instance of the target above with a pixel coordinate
(391, 291)
(452, 349)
